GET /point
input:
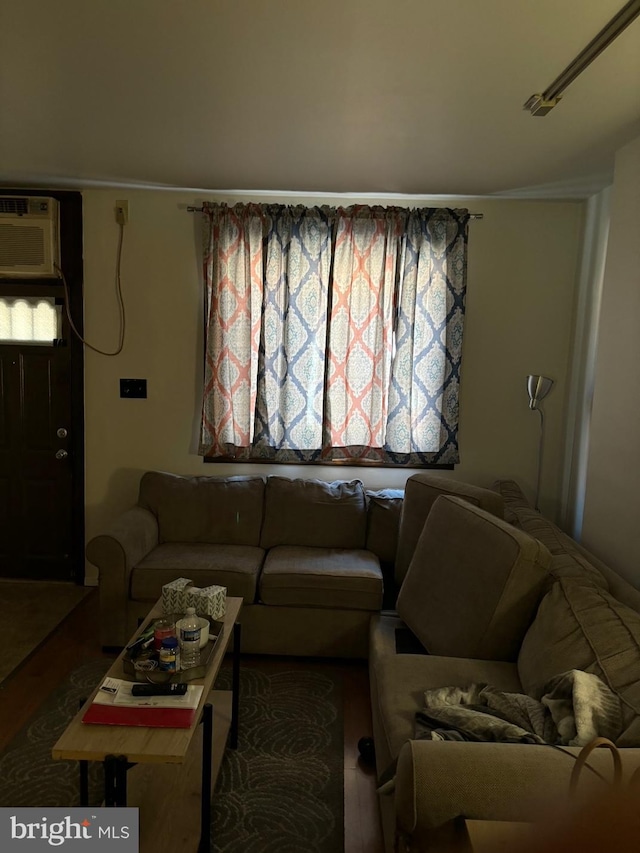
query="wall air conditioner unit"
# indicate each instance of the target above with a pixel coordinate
(29, 236)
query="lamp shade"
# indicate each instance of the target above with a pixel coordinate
(538, 387)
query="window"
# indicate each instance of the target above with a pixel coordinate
(333, 334)
(29, 320)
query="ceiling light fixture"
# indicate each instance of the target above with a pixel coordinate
(541, 104)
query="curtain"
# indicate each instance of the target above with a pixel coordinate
(233, 269)
(333, 334)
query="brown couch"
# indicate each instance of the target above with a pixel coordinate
(306, 556)
(508, 602)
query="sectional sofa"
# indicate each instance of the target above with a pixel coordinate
(307, 557)
(498, 596)
(490, 592)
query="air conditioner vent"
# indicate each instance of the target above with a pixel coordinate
(13, 204)
(29, 243)
(21, 245)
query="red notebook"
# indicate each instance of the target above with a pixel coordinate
(119, 715)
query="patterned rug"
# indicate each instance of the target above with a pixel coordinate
(281, 790)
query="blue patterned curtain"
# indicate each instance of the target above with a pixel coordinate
(291, 364)
(355, 351)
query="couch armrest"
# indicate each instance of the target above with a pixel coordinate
(439, 782)
(115, 553)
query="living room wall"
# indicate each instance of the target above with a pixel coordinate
(522, 272)
(612, 498)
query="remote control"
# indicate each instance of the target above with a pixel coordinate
(158, 689)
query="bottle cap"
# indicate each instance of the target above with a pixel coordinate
(191, 611)
(169, 642)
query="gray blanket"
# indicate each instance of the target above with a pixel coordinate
(575, 708)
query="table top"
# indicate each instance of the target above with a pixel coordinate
(87, 742)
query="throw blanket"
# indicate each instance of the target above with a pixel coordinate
(575, 708)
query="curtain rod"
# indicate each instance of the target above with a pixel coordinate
(200, 209)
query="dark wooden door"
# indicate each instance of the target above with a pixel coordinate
(42, 393)
(36, 478)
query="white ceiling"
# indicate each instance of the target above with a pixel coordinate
(359, 96)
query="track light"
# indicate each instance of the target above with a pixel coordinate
(542, 103)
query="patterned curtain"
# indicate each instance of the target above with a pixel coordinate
(266, 271)
(233, 269)
(423, 419)
(362, 324)
(333, 334)
(294, 334)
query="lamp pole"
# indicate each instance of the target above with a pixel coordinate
(538, 387)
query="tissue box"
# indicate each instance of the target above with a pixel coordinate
(174, 595)
(213, 602)
(210, 601)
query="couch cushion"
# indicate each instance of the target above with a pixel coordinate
(217, 510)
(474, 583)
(421, 490)
(384, 508)
(580, 626)
(321, 577)
(234, 566)
(314, 513)
(401, 681)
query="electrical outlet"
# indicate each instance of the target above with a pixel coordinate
(133, 388)
(122, 212)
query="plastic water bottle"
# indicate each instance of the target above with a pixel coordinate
(190, 639)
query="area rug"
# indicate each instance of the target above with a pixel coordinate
(40, 604)
(281, 790)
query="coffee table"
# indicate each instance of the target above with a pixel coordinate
(169, 774)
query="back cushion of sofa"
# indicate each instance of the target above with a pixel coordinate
(569, 557)
(217, 510)
(474, 583)
(581, 626)
(421, 491)
(314, 513)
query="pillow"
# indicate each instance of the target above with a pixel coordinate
(581, 626)
(313, 513)
(473, 584)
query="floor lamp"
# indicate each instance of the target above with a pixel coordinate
(538, 387)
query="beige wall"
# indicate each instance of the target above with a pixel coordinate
(520, 303)
(611, 526)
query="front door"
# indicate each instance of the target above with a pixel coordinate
(36, 481)
(41, 414)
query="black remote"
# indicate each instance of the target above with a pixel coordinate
(158, 689)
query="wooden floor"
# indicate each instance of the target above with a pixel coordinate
(76, 641)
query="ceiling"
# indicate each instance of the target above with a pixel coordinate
(341, 96)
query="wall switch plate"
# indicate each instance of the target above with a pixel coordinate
(133, 388)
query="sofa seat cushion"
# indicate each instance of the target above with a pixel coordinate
(321, 577)
(314, 513)
(216, 510)
(401, 681)
(474, 583)
(235, 567)
(580, 626)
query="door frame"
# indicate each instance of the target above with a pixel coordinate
(71, 262)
